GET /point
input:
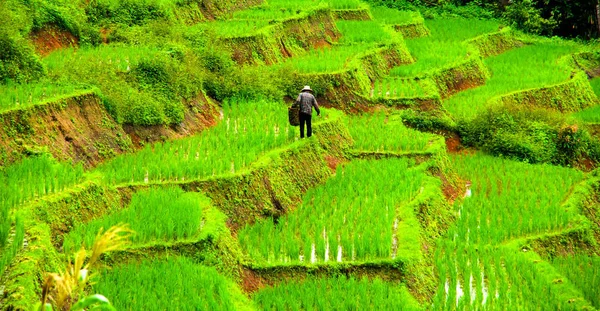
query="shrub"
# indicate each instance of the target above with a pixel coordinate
(18, 61)
(532, 135)
(524, 15)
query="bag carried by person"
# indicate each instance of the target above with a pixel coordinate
(294, 114)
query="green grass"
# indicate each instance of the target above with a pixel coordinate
(361, 32)
(533, 66)
(444, 46)
(174, 214)
(248, 130)
(330, 224)
(381, 132)
(16, 96)
(338, 293)
(584, 272)
(395, 17)
(169, 284)
(511, 199)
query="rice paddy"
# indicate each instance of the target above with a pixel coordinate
(396, 87)
(328, 226)
(381, 132)
(394, 17)
(15, 96)
(383, 224)
(444, 46)
(338, 293)
(176, 215)
(584, 272)
(511, 199)
(170, 284)
(363, 32)
(327, 60)
(247, 131)
(529, 67)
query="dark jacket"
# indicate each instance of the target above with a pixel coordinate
(306, 101)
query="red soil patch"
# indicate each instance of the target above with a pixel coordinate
(321, 44)
(453, 143)
(333, 162)
(52, 38)
(251, 282)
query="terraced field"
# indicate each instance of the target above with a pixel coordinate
(172, 127)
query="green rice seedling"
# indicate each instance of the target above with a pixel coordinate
(35, 177)
(381, 132)
(106, 58)
(268, 12)
(511, 199)
(25, 95)
(170, 284)
(491, 278)
(336, 293)
(445, 46)
(248, 130)
(592, 114)
(391, 16)
(529, 67)
(11, 245)
(235, 28)
(396, 87)
(174, 214)
(363, 32)
(596, 85)
(326, 60)
(345, 4)
(584, 272)
(330, 226)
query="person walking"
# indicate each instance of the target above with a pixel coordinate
(306, 100)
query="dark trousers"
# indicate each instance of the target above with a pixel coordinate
(305, 119)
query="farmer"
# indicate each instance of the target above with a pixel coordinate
(307, 101)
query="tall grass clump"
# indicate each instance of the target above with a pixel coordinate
(330, 224)
(174, 283)
(532, 66)
(156, 214)
(248, 130)
(445, 46)
(584, 272)
(336, 293)
(511, 199)
(382, 132)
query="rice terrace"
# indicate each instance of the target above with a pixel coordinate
(150, 157)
